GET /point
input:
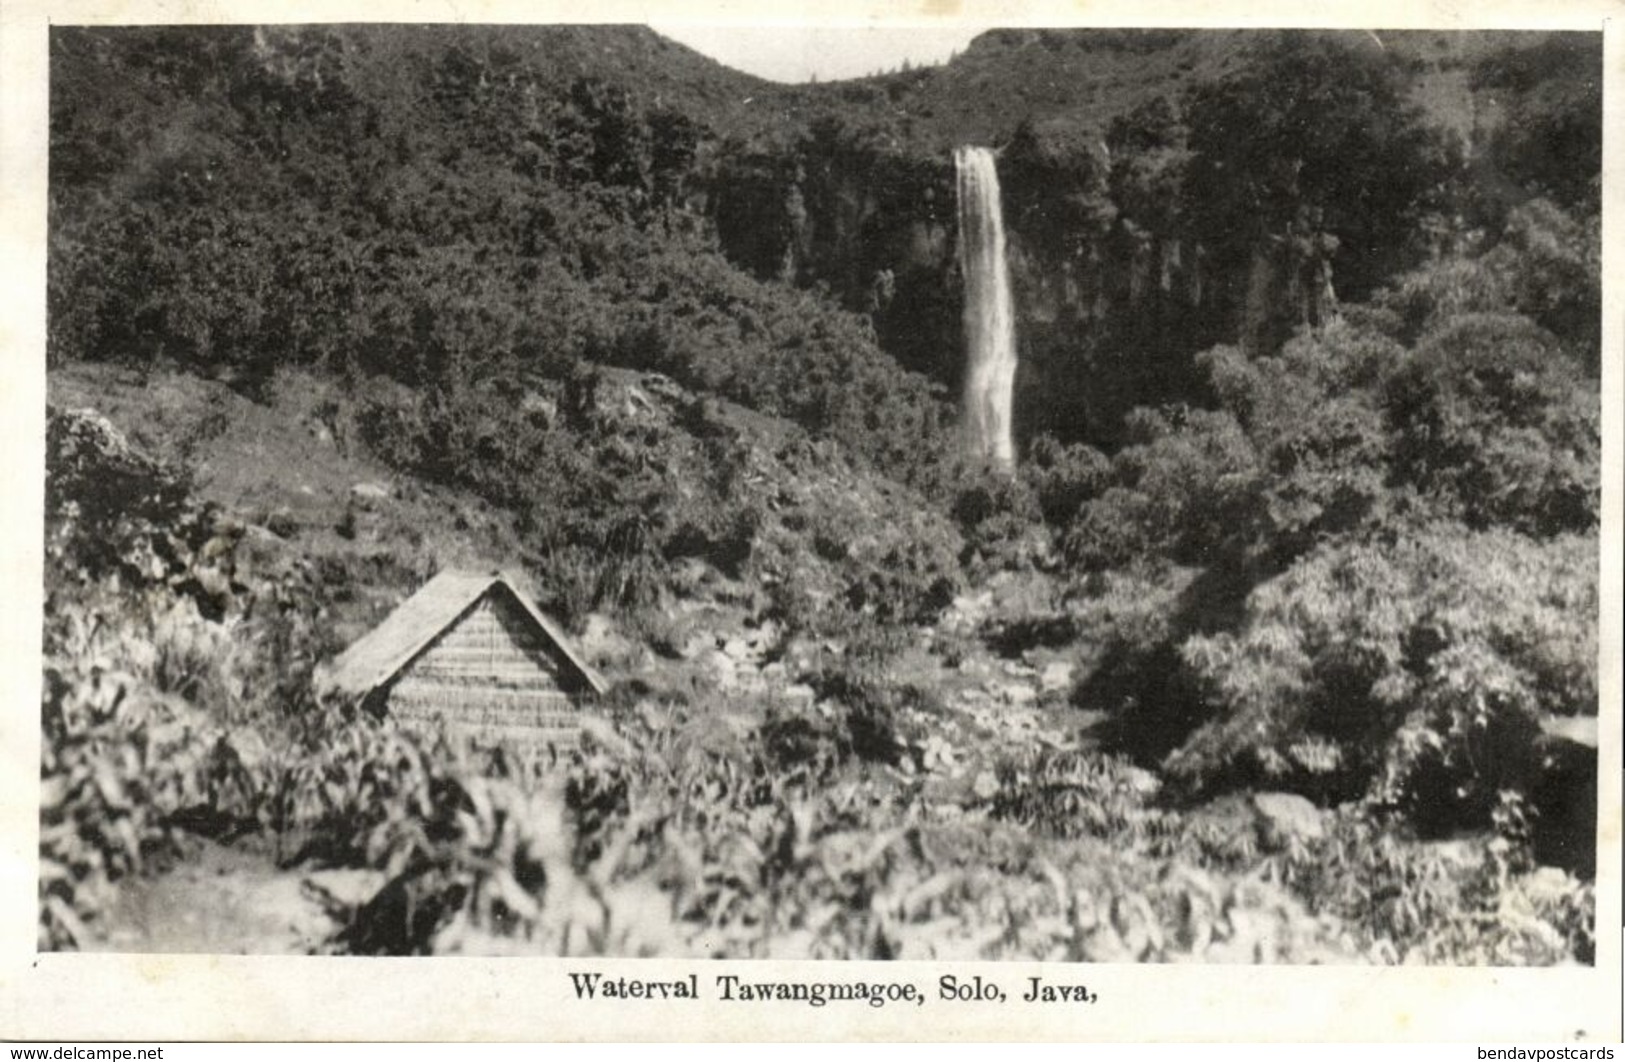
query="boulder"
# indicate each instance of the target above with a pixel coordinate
(694, 643)
(369, 493)
(1287, 817)
(540, 408)
(1056, 677)
(601, 642)
(799, 694)
(1016, 694)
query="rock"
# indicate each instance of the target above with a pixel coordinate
(694, 644)
(601, 642)
(344, 889)
(1285, 817)
(370, 492)
(1565, 803)
(1142, 781)
(1056, 677)
(1579, 730)
(971, 608)
(1553, 884)
(636, 399)
(724, 669)
(1016, 694)
(215, 583)
(736, 648)
(539, 407)
(249, 748)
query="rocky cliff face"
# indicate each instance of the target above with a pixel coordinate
(877, 230)
(1108, 314)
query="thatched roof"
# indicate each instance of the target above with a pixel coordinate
(381, 654)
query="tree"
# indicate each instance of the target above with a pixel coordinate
(1416, 670)
(1309, 155)
(1055, 179)
(1496, 428)
(1550, 137)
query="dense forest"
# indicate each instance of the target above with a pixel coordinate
(1279, 643)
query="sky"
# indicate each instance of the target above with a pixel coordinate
(801, 53)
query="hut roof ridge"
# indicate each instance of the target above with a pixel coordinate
(382, 652)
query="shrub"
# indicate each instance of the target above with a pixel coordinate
(1457, 902)
(1071, 794)
(1415, 670)
(1185, 488)
(1135, 621)
(997, 514)
(1543, 263)
(1495, 429)
(1064, 477)
(1311, 127)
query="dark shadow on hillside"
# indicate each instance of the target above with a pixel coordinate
(1151, 706)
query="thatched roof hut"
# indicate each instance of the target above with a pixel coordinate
(471, 649)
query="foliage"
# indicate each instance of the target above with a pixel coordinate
(1151, 146)
(1312, 129)
(1395, 585)
(1064, 477)
(1357, 560)
(1417, 670)
(1484, 421)
(1055, 179)
(109, 771)
(445, 252)
(998, 514)
(1496, 429)
(680, 843)
(1447, 901)
(1548, 137)
(1544, 263)
(1184, 485)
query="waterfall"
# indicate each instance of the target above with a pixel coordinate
(990, 323)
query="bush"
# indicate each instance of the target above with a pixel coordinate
(1416, 671)
(1543, 263)
(1495, 428)
(1185, 488)
(1313, 415)
(1550, 138)
(1064, 477)
(1457, 902)
(997, 514)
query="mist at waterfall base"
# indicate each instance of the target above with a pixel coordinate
(990, 327)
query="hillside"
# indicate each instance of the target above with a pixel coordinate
(1006, 76)
(1277, 643)
(1129, 258)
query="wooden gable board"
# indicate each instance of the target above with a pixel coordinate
(491, 673)
(376, 658)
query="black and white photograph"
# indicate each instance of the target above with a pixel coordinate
(1015, 495)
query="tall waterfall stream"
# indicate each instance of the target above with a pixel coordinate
(990, 325)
